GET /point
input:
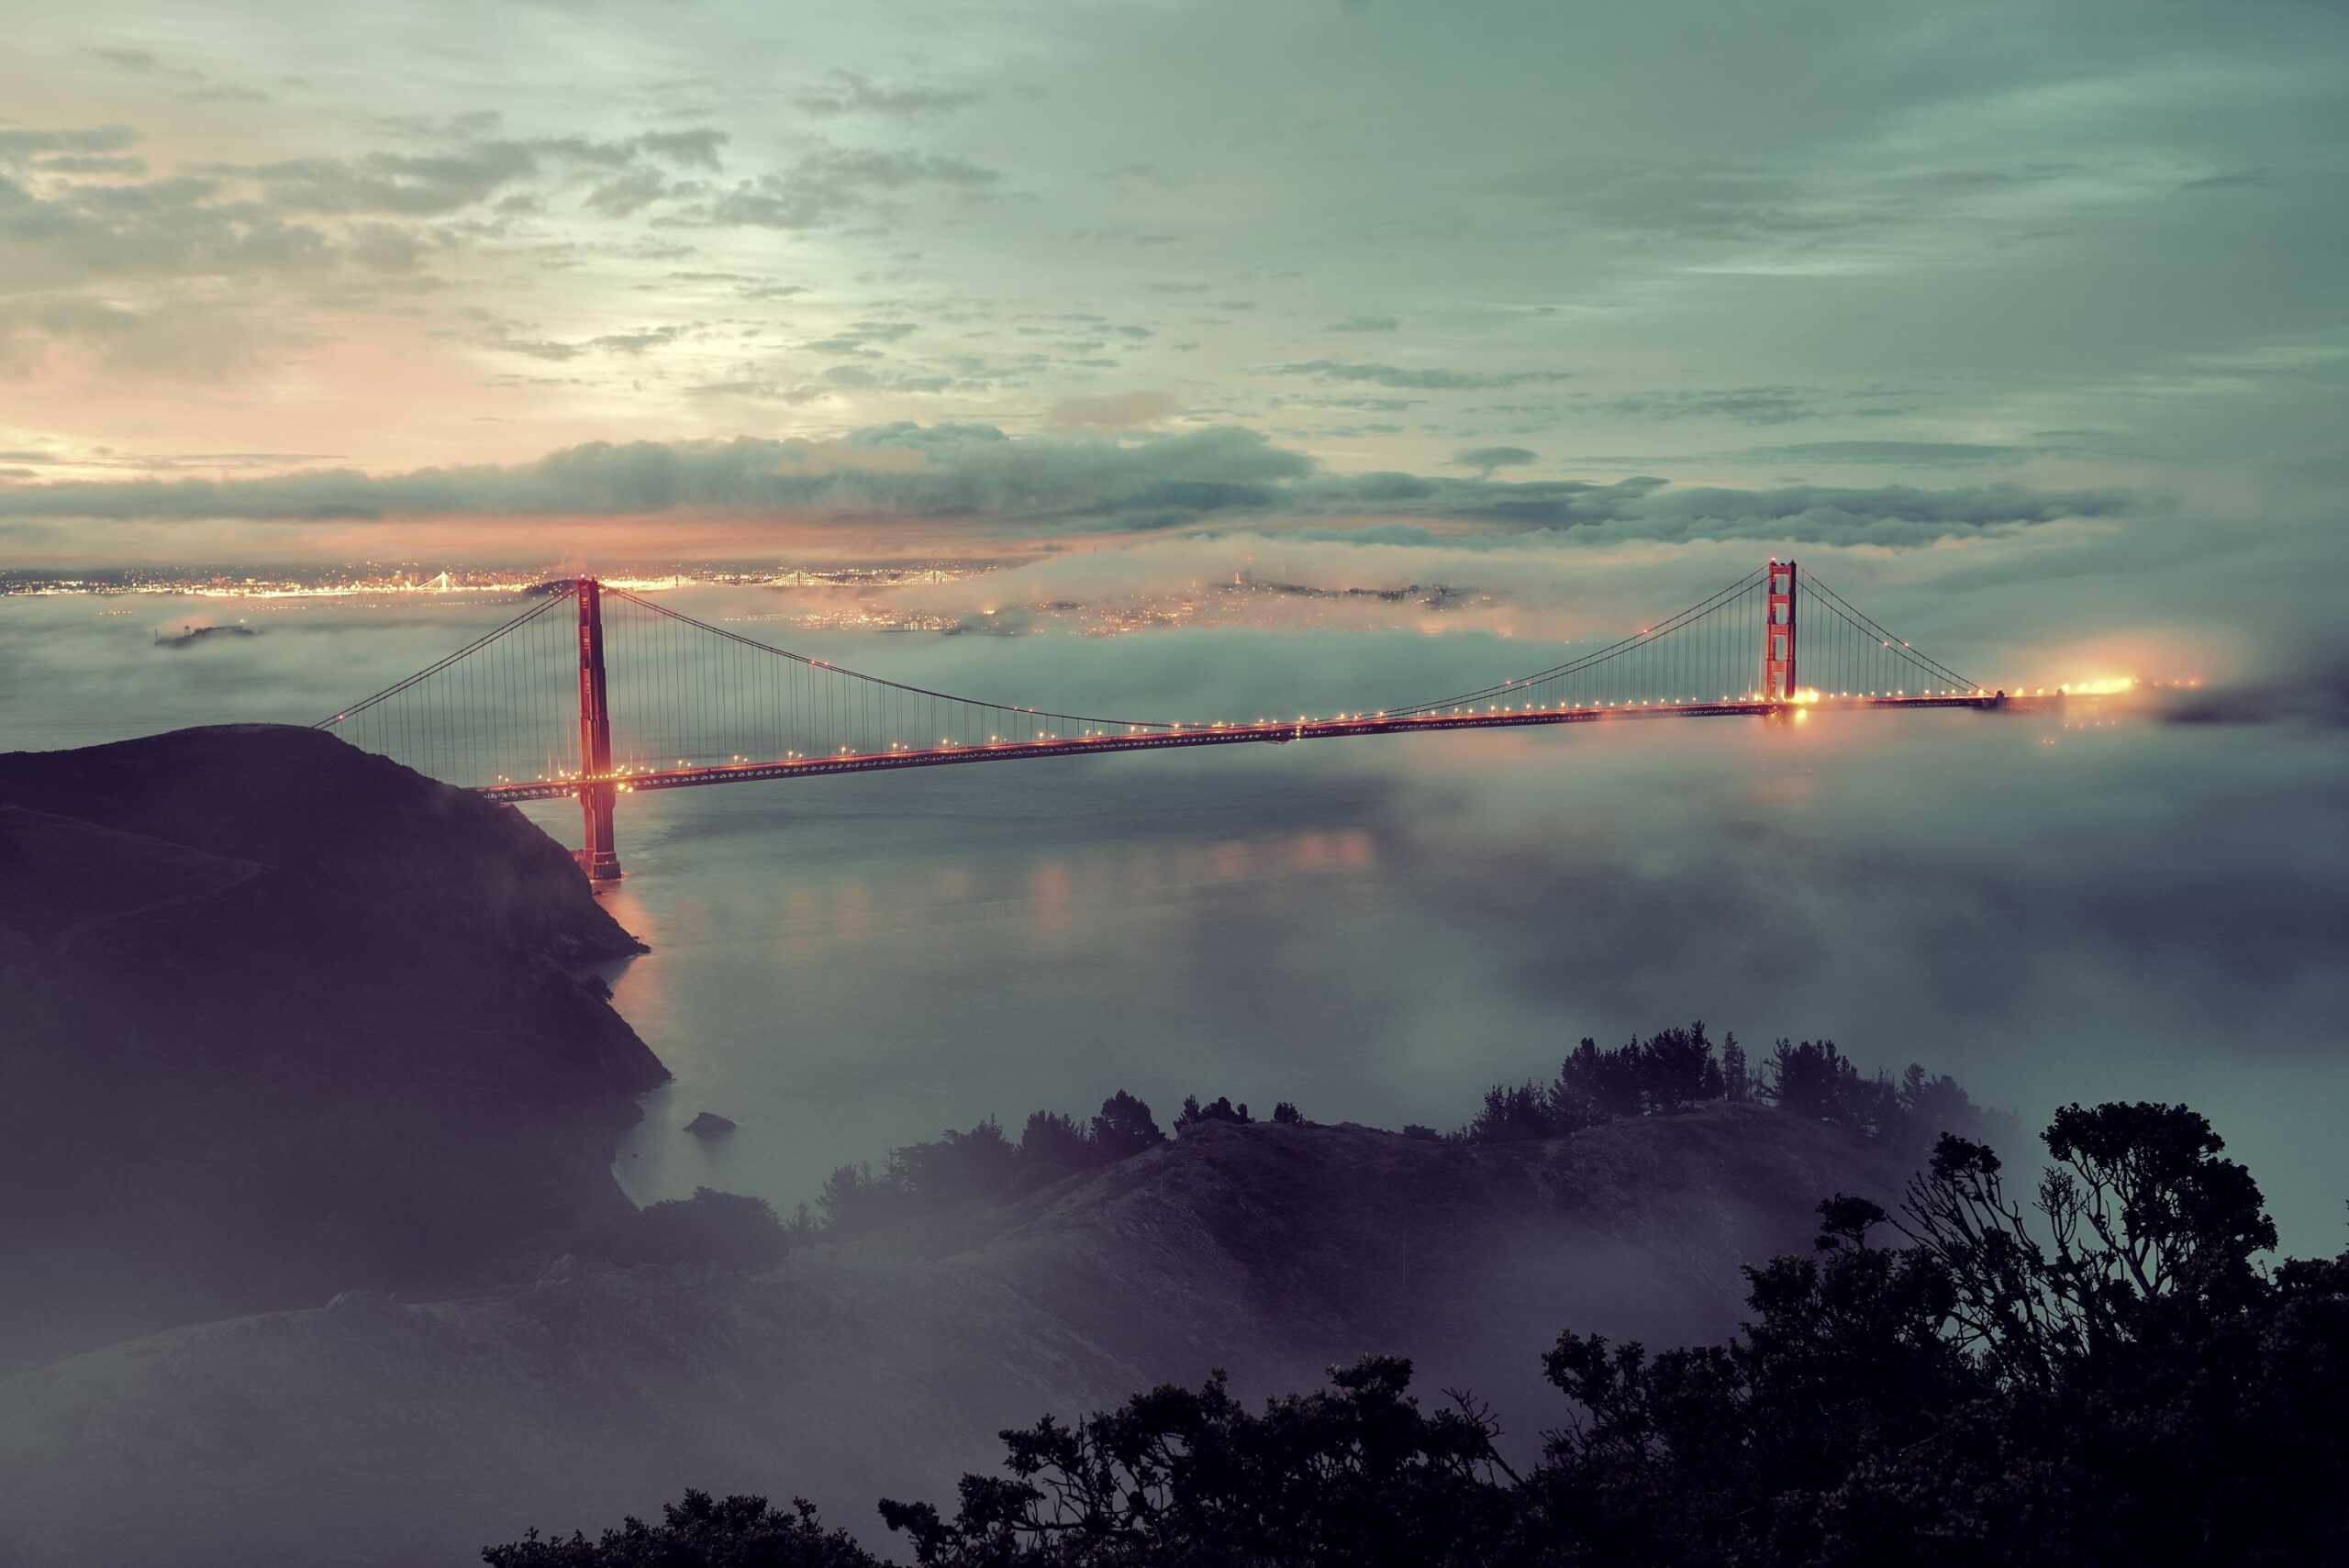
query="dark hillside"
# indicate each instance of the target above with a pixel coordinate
(278, 1018)
(300, 799)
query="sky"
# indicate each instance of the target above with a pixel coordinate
(702, 279)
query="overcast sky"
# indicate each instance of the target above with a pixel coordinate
(1951, 282)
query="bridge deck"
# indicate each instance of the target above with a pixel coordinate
(1206, 735)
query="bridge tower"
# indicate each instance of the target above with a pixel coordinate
(1779, 635)
(598, 855)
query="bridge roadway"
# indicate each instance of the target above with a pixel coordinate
(1204, 735)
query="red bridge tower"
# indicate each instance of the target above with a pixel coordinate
(598, 856)
(1779, 635)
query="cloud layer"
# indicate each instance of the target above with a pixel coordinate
(979, 475)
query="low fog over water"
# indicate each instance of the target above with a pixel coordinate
(2092, 904)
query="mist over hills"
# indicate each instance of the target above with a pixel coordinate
(375, 1431)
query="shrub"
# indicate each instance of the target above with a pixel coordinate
(1222, 1109)
(711, 1227)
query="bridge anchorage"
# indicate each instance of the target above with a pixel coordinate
(626, 695)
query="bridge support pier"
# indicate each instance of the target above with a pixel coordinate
(598, 857)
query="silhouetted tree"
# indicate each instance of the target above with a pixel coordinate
(2114, 1383)
(953, 1168)
(711, 1227)
(1575, 1099)
(1676, 1069)
(1287, 1115)
(1594, 1086)
(1124, 1128)
(2139, 1208)
(1512, 1114)
(699, 1532)
(1055, 1138)
(1933, 1105)
(1221, 1109)
(1814, 1081)
(852, 1199)
(1737, 1084)
(958, 1168)
(1352, 1476)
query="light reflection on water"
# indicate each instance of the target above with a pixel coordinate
(842, 982)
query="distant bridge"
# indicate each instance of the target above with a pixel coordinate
(625, 695)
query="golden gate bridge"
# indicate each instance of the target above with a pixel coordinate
(626, 695)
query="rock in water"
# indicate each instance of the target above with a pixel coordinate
(709, 1124)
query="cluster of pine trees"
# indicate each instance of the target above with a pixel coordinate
(1678, 1068)
(956, 1168)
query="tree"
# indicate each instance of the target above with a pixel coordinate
(711, 1227)
(698, 1532)
(1052, 1138)
(1677, 1069)
(1737, 1084)
(2142, 1199)
(1124, 1128)
(1810, 1080)
(2112, 1382)
(1594, 1086)
(1688, 1456)
(1354, 1475)
(954, 1168)
(1513, 1114)
(1221, 1109)
(2138, 1208)
(854, 1199)
(1287, 1115)
(1576, 1097)
(1934, 1106)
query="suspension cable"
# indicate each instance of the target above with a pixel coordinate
(878, 680)
(1573, 666)
(476, 646)
(1852, 612)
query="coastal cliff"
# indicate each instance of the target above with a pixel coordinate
(279, 1019)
